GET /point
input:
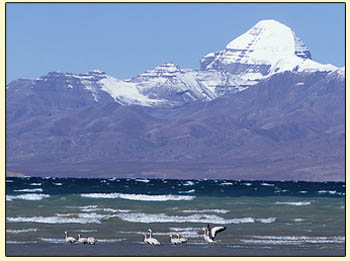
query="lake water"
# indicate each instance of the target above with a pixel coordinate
(263, 218)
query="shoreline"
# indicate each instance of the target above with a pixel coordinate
(139, 249)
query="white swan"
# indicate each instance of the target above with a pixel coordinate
(82, 240)
(206, 236)
(146, 240)
(174, 241)
(213, 231)
(91, 240)
(153, 241)
(68, 239)
(210, 233)
(182, 239)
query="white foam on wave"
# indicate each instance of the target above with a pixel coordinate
(267, 184)
(9, 180)
(187, 192)
(85, 230)
(299, 219)
(331, 192)
(327, 191)
(27, 197)
(188, 183)
(226, 183)
(35, 184)
(93, 208)
(196, 218)
(177, 229)
(53, 240)
(80, 218)
(217, 211)
(20, 242)
(111, 240)
(114, 210)
(16, 231)
(142, 180)
(188, 232)
(294, 240)
(266, 220)
(57, 184)
(301, 203)
(141, 197)
(29, 190)
(247, 184)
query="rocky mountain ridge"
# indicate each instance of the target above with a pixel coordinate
(181, 123)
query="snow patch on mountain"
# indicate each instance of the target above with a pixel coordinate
(177, 85)
(126, 92)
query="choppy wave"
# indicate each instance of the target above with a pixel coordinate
(177, 229)
(27, 197)
(187, 232)
(327, 191)
(111, 240)
(16, 231)
(85, 230)
(267, 184)
(217, 211)
(299, 219)
(20, 242)
(331, 192)
(301, 203)
(188, 183)
(80, 218)
(294, 240)
(29, 190)
(226, 183)
(196, 218)
(141, 197)
(94, 208)
(9, 180)
(35, 184)
(267, 220)
(53, 240)
(187, 192)
(57, 184)
(142, 180)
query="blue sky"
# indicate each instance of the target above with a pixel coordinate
(126, 39)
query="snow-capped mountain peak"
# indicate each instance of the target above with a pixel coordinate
(268, 41)
(269, 47)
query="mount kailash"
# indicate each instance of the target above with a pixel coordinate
(259, 109)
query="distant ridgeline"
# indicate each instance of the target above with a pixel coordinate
(259, 109)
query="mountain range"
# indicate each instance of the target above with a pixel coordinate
(259, 109)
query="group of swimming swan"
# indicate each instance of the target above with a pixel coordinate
(80, 240)
(209, 235)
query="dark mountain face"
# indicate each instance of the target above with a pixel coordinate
(289, 126)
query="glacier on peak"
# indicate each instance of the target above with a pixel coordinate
(269, 47)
